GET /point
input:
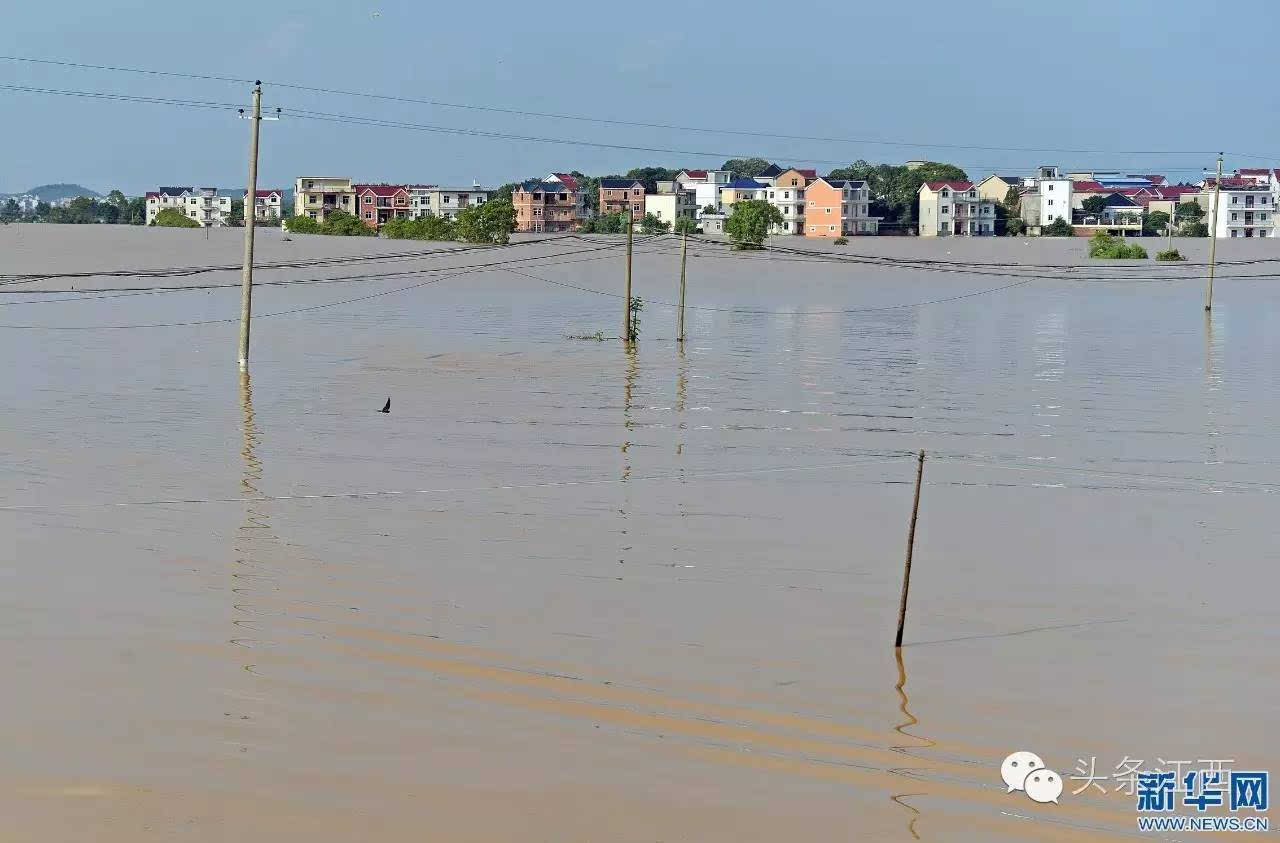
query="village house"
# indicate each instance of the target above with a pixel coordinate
(1245, 207)
(622, 196)
(838, 208)
(378, 204)
(740, 189)
(202, 204)
(669, 207)
(266, 205)
(787, 195)
(315, 196)
(429, 200)
(546, 205)
(954, 208)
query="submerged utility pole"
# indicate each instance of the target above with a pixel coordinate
(628, 334)
(911, 543)
(684, 253)
(1213, 236)
(251, 200)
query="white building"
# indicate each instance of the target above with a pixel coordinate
(706, 186)
(787, 195)
(267, 205)
(435, 201)
(668, 207)
(202, 204)
(1054, 197)
(1247, 207)
(954, 208)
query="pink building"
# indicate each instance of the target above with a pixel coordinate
(376, 204)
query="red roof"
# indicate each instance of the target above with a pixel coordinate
(264, 194)
(954, 185)
(695, 174)
(1254, 172)
(567, 180)
(1237, 183)
(379, 189)
(809, 174)
(1087, 187)
(153, 194)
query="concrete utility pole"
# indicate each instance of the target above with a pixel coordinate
(628, 335)
(1213, 236)
(911, 544)
(684, 252)
(251, 200)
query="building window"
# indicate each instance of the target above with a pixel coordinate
(1050, 187)
(368, 215)
(945, 193)
(945, 209)
(831, 228)
(1233, 216)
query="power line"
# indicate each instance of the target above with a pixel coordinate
(616, 122)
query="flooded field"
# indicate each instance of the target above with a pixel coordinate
(570, 591)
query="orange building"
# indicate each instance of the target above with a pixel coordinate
(545, 206)
(838, 208)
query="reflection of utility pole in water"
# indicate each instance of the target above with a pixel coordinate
(628, 425)
(249, 569)
(901, 729)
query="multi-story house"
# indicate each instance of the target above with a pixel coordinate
(166, 197)
(377, 204)
(1245, 207)
(570, 181)
(740, 189)
(1120, 214)
(706, 186)
(996, 187)
(202, 204)
(429, 200)
(266, 205)
(787, 195)
(315, 196)
(838, 208)
(618, 196)
(546, 206)
(669, 207)
(954, 208)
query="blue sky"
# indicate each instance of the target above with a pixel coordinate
(1138, 75)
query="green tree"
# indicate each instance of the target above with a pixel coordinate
(1058, 228)
(590, 186)
(421, 228)
(607, 224)
(1154, 223)
(237, 212)
(488, 222)
(117, 198)
(1189, 211)
(1094, 205)
(136, 211)
(650, 224)
(685, 225)
(750, 222)
(709, 209)
(745, 168)
(10, 212)
(342, 224)
(174, 218)
(1194, 229)
(650, 176)
(1107, 247)
(302, 224)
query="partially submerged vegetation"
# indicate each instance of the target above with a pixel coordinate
(1107, 247)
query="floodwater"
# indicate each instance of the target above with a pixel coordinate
(571, 591)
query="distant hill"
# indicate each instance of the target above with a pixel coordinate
(54, 192)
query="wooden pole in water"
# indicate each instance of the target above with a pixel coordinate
(1213, 236)
(627, 333)
(684, 253)
(246, 274)
(911, 541)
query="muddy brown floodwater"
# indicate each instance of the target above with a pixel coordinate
(570, 591)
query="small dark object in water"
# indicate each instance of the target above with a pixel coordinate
(386, 408)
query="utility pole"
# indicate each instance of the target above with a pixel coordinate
(1213, 237)
(684, 251)
(628, 335)
(251, 198)
(911, 543)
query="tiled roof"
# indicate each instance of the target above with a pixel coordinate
(1119, 200)
(620, 183)
(1237, 184)
(379, 189)
(567, 180)
(771, 170)
(545, 186)
(263, 194)
(1087, 187)
(174, 191)
(695, 174)
(745, 184)
(854, 183)
(954, 185)
(151, 194)
(1154, 178)
(1251, 171)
